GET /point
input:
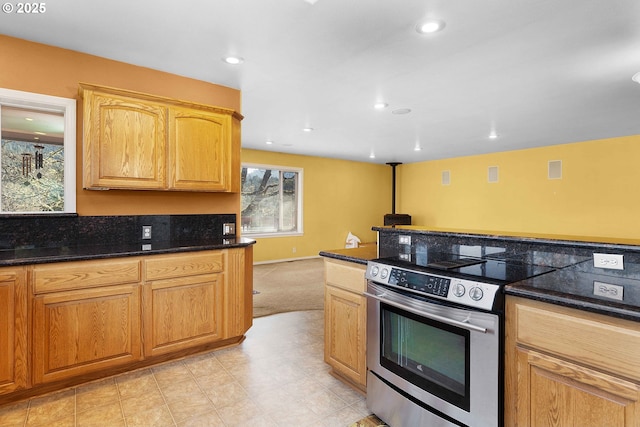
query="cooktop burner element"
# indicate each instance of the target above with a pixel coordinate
(489, 269)
(454, 263)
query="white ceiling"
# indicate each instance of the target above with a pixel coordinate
(539, 72)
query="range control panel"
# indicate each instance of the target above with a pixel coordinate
(467, 292)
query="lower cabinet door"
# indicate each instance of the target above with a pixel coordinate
(181, 313)
(345, 331)
(562, 393)
(13, 330)
(84, 331)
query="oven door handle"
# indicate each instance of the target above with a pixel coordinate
(448, 321)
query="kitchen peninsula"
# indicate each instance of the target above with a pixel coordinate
(86, 300)
(572, 334)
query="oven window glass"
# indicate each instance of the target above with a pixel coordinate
(432, 355)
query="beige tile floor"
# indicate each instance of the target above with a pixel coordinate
(276, 377)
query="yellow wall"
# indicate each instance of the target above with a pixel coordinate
(596, 198)
(38, 68)
(338, 196)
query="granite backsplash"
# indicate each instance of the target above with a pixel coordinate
(33, 231)
(555, 253)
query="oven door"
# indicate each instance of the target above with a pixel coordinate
(431, 364)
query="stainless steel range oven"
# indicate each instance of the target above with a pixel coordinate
(435, 338)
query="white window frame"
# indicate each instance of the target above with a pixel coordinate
(300, 172)
(66, 106)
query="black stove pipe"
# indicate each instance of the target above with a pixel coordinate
(394, 219)
(393, 185)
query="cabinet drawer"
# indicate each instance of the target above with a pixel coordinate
(186, 264)
(85, 274)
(346, 275)
(594, 340)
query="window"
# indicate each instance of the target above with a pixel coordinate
(37, 153)
(271, 200)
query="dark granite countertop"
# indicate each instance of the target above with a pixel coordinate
(359, 255)
(40, 255)
(591, 242)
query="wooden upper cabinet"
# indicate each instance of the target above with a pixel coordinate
(143, 142)
(124, 142)
(199, 152)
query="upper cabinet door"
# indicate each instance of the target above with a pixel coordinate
(199, 150)
(124, 142)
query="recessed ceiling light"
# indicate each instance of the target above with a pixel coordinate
(372, 155)
(380, 105)
(417, 148)
(233, 60)
(40, 133)
(430, 26)
(307, 130)
(636, 77)
(268, 142)
(401, 111)
(493, 135)
(29, 119)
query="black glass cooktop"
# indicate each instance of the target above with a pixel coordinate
(499, 271)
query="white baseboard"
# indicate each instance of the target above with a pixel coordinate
(273, 261)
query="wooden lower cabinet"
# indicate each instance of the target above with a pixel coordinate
(345, 326)
(83, 331)
(13, 330)
(183, 301)
(182, 313)
(567, 367)
(562, 393)
(238, 292)
(74, 321)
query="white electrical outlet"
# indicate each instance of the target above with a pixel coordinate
(608, 290)
(404, 240)
(146, 232)
(613, 261)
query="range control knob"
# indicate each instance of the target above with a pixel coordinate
(459, 290)
(476, 293)
(384, 273)
(374, 270)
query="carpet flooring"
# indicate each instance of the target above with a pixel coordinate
(288, 286)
